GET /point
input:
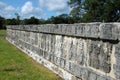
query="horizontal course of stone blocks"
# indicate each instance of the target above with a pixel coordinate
(85, 51)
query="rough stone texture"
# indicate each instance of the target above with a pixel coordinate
(85, 51)
(117, 65)
(99, 54)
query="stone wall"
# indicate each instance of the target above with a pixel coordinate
(85, 51)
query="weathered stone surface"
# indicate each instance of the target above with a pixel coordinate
(80, 52)
(80, 29)
(72, 50)
(86, 51)
(107, 31)
(99, 54)
(117, 65)
(101, 78)
(92, 76)
(80, 72)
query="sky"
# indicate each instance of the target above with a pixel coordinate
(27, 8)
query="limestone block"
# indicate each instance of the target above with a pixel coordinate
(70, 29)
(51, 29)
(80, 72)
(101, 78)
(80, 29)
(34, 28)
(117, 65)
(94, 30)
(108, 31)
(80, 52)
(53, 41)
(58, 61)
(99, 55)
(46, 29)
(41, 53)
(51, 57)
(63, 47)
(117, 71)
(26, 28)
(40, 40)
(58, 45)
(72, 49)
(49, 43)
(92, 76)
(40, 28)
(62, 62)
(64, 28)
(46, 55)
(116, 31)
(58, 29)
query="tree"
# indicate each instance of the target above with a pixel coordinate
(18, 18)
(63, 19)
(77, 8)
(32, 20)
(96, 10)
(2, 21)
(12, 21)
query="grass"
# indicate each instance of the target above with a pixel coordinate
(15, 65)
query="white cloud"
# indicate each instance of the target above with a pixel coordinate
(54, 5)
(6, 10)
(27, 8)
(2, 4)
(9, 8)
(41, 3)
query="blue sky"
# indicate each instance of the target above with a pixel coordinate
(38, 8)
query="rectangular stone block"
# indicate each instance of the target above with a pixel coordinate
(58, 29)
(117, 65)
(70, 29)
(72, 49)
(109, 31)
(64, 29)
(80, 52)
(99, 55)
(80, 72)
(80, 29)
(62, 62)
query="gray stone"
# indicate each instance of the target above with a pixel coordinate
(72, 51)
(80, 29)
(80, 52)
(64, 29)
(101, 78)
(117, 71)
(80, 72)
(92, 76)
(58, 29)
(99, 54)
(106, 31)
(62, 62)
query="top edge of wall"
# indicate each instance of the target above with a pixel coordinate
(105, 31)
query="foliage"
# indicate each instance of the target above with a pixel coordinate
(77, 8)
(32, 20)
(81, 11)
(96, 10)
(15, 65)
(17, 18)
(12, 21)
(63, 18)
(2, 21)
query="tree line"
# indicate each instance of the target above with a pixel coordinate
(61, 19)
(81, 11)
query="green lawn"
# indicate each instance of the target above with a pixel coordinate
(15, 65)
